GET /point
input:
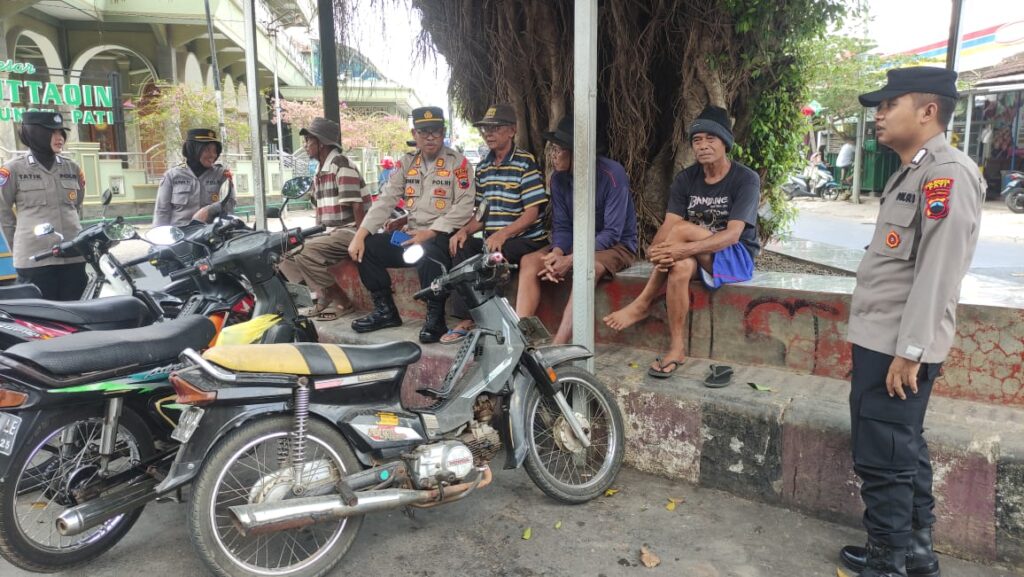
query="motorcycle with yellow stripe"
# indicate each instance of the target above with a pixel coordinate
(86, 420)
(290, 445)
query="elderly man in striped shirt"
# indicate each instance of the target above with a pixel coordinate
(338, 194)
(509, 180)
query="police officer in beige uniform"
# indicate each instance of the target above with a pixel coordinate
(195, 184)
(437, 185)
(43, 187)
(903, 316)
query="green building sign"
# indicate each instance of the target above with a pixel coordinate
(20, 96)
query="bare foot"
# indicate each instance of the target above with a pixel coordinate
(627, 316)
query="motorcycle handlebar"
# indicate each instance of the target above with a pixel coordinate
(139, 260)
(181, 273)
(41, 256)
(308, 232)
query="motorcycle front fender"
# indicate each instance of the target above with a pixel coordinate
(515, 440)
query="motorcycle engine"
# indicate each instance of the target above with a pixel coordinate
(447, 462)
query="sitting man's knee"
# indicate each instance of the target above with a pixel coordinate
(683, 269)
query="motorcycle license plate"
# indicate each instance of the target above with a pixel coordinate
(9, 425)
(187, 424)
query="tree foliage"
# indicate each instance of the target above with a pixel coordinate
(387, 133)
(659, 63)
(168, 112)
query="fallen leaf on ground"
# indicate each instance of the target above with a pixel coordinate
(610, 492)
(634, 365)
(672, 502)
(758, 387)
(841, 573)
(527, 533)
(558, 525)
(648, 558)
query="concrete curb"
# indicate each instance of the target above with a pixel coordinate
(790, 446)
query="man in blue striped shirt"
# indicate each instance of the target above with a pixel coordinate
(509, 180)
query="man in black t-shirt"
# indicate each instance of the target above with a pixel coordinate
(710, 226)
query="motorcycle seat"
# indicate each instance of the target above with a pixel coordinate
(110, 313)
(313, 359)
(110, 350)
(20, 291)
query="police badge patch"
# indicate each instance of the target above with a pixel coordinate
(72, 195)
(936, 198)
(5, 175)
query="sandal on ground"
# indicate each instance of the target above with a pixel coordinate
(718, 376)
(332, 312)
(660, 372)
(455, 335)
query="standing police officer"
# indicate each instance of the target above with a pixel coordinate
(437, 185)
(903, 315)
(43, 187)
(195, 184)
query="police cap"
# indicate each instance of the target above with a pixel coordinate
(51, 120)
(923, 79)
(427, 117)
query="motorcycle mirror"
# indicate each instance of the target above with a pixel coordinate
(412, 254)
(482, 211)
(120, 231)
(107, 196)
(164, 235)
(42, 229)
(296, 187)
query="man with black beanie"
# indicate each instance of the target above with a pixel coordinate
(710, 231)
(194, 184)
(43, 187)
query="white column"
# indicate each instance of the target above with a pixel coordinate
(255, 134)
(584, 163)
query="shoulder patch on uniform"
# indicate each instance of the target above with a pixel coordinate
(936, 197)
(919, 156)
(5, 175)
(462, 173)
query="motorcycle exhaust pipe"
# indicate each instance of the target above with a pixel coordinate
(80, 518)
(296, 513)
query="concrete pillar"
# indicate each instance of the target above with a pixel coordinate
(8, 139)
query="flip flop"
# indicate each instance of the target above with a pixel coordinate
(660, 372)
(718, 376)
(332, 312)
(454, 336)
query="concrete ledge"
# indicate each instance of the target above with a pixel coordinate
(790, 323)
(790, 446)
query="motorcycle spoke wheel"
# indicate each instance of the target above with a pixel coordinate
(252, 467)
(557, 461)
(67, 459)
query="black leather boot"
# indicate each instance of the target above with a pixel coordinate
(384, 315)
(434, 326)
(921, 558)
(881, 560)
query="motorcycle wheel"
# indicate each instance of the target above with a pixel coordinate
(1015, 201)
(57, 457)
(831, 193)
(246, 462)
(556, 462)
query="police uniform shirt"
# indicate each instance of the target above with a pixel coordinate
(181, 194)
(31, 194)
(439, 194)
(908, 283)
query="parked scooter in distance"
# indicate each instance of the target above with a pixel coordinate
(816, 181)
(1013, 192)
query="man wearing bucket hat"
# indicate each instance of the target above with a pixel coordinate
(43, 187)
(903, 316)
(710, 231)
(195, 184)
(510, 182)
(614, 246)
(437, 185)
(341, 199)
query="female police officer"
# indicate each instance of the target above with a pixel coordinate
(194, 184)
(43, 187)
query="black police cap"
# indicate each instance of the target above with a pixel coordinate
(923, 79)
(51, 120)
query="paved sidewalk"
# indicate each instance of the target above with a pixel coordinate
(710, 534)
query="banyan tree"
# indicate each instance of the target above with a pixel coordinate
(659, 63)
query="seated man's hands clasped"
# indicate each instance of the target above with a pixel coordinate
(556, 266)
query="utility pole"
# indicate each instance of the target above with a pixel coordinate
(584, 168)
(328, 60)
(953, 43)
(255, 106)
(217, 94)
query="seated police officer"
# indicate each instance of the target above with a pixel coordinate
(437, 185)
(188, 190)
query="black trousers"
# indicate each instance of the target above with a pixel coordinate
(380, 254)
(513, 250)
(57, 282)
(890, 454)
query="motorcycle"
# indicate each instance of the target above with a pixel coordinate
(289, 446)
(814, 181)
(1013, 192)
(87, 420)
